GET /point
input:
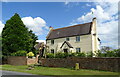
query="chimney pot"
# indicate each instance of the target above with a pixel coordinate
(50, 27)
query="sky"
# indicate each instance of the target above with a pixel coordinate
(39, 16)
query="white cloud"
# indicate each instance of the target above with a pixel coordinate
(1, 27)
(88, 5)
(41, 41)
(38, 25)
(98, 12)
(106, 14)
(66, 2)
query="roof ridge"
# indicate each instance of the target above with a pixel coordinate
(71, 26)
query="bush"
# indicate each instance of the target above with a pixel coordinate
(30, 54)
(90, 54)
(81, 54)
(49, 55)
(19, 53)
(100, 54)
(110, 54)
(72, 54)
(61, 55)
(117, 52)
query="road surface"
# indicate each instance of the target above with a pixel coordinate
(18, 74)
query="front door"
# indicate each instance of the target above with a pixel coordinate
(65, 50)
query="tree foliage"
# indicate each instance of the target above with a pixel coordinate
(15, 36)
(33, 41)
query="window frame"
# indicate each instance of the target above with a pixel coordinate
(78, 50)
(52, 41)
(77, 38)
(67, 39)
(52, 51)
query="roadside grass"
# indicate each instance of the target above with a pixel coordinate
(55, 71)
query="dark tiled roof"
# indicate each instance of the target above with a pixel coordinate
(69, 45)
(37, 46)
(80, 29)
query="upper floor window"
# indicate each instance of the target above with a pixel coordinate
(47, 42)
(78, 50)
(52, 50)
(52, 41)
(67, 39)
(77, 38)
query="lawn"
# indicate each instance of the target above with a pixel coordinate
(55, 71)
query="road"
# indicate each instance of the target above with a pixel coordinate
(18, 74)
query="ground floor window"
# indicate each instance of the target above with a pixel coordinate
(78, 50)
(65, 50)
(52, 50)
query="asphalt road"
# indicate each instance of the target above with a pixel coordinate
(18, 74)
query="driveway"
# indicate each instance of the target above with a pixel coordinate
(18, 74)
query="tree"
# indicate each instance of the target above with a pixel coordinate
(33, 41)
(15, 36)
(105, 48)
(0, 47)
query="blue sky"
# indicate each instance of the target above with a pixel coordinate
(38, 16)
(56, 14)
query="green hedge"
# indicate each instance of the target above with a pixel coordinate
(113, 53)
(19, 53)
(64, 55)
(49, 55)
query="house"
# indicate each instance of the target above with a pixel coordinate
(76, 38)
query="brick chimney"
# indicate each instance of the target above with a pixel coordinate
(94, 22)
(95, 45)
(50, 28)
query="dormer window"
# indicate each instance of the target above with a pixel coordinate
(77, 38)
(67, 39)
(52, 41)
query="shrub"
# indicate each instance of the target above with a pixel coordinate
(30, 54)
(101, 54)
(19, 53)
(61, 55)
(90, 54)
(110, 54)
(72, 54)
(117, 52)
(113, 53)
(49, 55)
(81, 54)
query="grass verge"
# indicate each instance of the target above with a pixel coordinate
(55, 71)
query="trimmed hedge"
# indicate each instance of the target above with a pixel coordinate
(64, 55)
(19, 53)
(114, 53)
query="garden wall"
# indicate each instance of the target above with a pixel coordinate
(21, 60)
(108, 64)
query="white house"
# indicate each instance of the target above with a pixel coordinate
(76, 38)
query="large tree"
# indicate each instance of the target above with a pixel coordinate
(15, 36)
(33, 41)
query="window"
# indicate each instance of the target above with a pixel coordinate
(52, 41)
(65, 50)
(47, 41)
(52, 50)
(78, 50)
(77, 38)
(67, 39)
